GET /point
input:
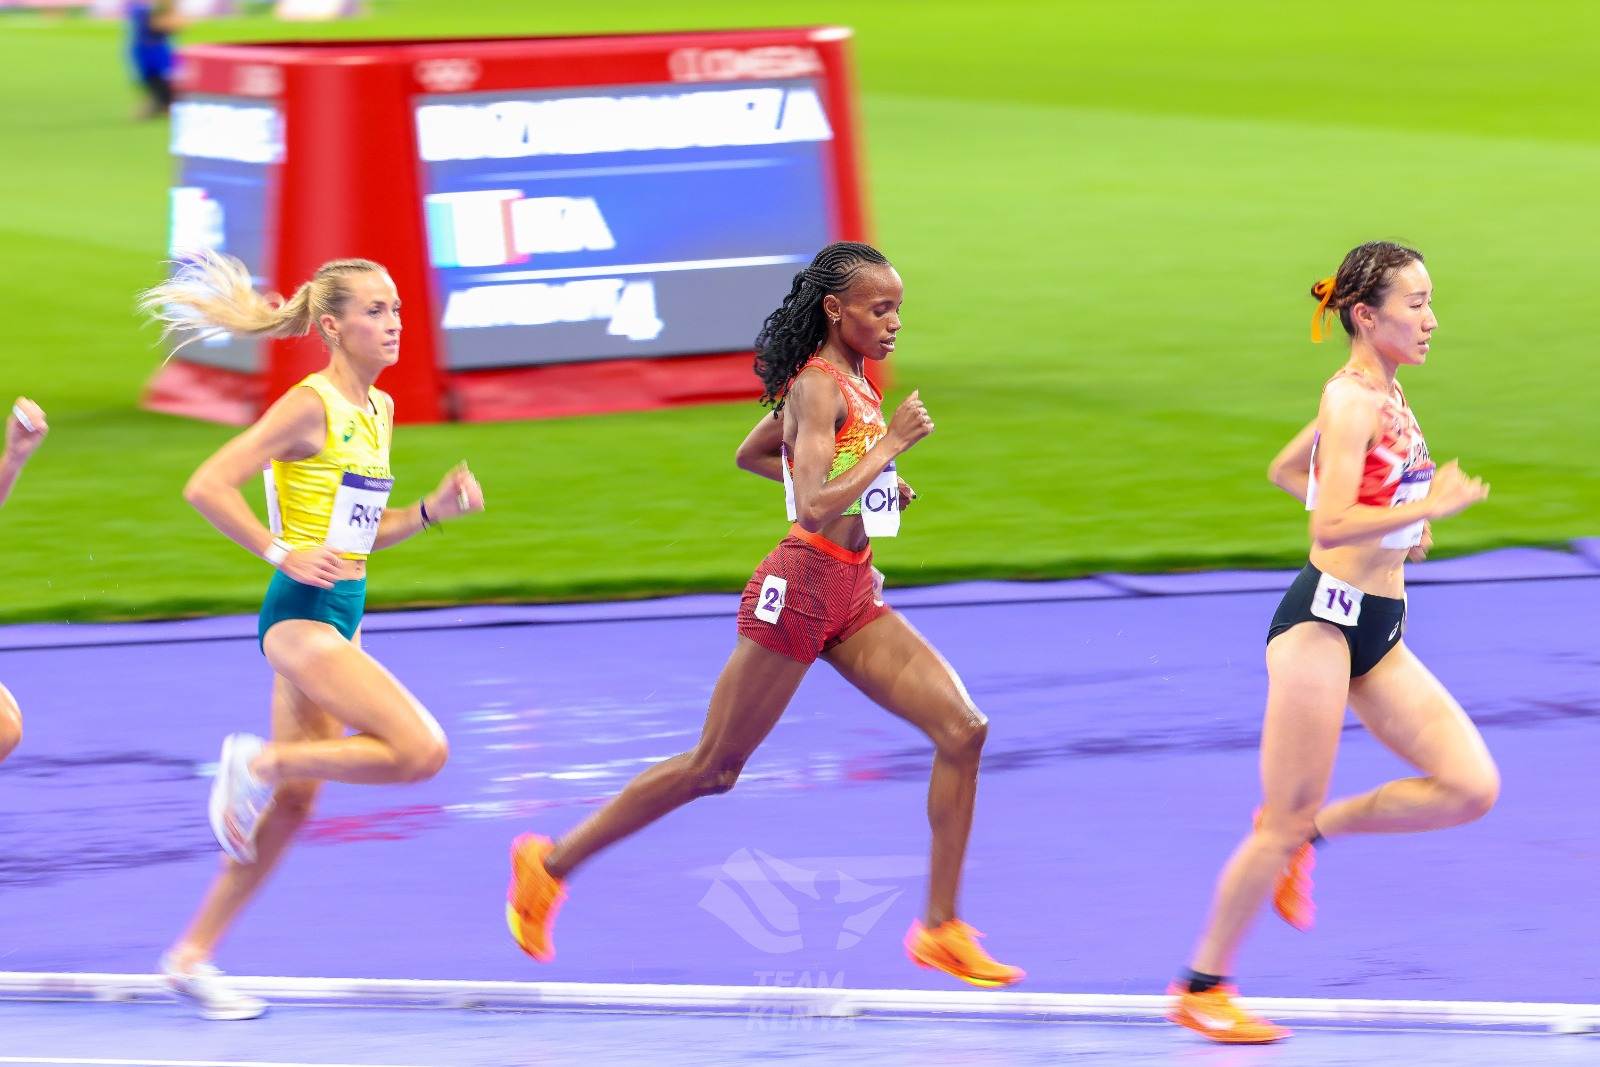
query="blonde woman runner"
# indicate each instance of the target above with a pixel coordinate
(25, 431)
(337, 714)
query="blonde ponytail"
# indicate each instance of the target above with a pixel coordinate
(211, 292)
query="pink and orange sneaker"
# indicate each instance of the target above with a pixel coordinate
(534, 897)
(1217, 1016)
(952, 947)
(1291, 888)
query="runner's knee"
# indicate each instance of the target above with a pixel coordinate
(422, 759)
(1288, 826)
(1475, 794)
(965, 738)
(295, 801)
(709, 778)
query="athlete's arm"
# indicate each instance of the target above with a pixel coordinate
(760, 452)
(294, 428)
(1290, 470)
(20, 442)
(458, 494)
(816, 406)
(1348, 419)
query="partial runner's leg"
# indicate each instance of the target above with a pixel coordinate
(395, 739)
(1308, 668)
(896, 667)
(1406, 708)
(10, 723)
(755, 687)
(295, 719)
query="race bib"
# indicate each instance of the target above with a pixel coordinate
(880, 505)
(274, 510)
(1337, 602)
(357, 508)
(1414, 485)
(788, 484)
(769, 605)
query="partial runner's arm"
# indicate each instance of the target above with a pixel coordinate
(1291, 468)
(23, 435)
(816, 406)
(294, 428)
(1349, 421)
(760, 452)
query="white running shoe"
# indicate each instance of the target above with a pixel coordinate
(205, 988)
(238, 798)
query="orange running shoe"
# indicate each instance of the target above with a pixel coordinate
(952, 947)
(1216, 1015)
(1291, 888)
(534, 897)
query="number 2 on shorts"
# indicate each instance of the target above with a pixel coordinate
(769, 604)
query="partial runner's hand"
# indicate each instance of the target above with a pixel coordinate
(1453, 492)
(22, 439)
(907, 494)
(313, 566)
(911, 423)
(458, 494)
(1419, 552)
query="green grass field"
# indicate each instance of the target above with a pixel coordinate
(1107, 214)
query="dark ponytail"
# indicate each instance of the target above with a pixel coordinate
(797, 329)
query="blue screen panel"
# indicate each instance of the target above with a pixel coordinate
(227, 151)
(602, 223)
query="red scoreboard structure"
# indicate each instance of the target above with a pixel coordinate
(575, 225)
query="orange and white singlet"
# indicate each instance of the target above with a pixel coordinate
(864, 426)
(1397, 470)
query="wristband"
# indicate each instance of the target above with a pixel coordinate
(422, 506)
(277, 552)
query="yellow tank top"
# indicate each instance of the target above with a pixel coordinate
(336, 497)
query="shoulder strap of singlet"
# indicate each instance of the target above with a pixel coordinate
(846, 383)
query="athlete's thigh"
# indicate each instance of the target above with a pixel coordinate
(751, 694)
(1308, 684)
(336, 676)
(895, 667)
(1406, 708)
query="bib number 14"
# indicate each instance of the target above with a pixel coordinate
(1337, 602)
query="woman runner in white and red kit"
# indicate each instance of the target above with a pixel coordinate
(1363, 470)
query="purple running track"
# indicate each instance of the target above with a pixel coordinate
(1120, 770)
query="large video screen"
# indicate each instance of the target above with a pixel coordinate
(227, 152)
(604, 223)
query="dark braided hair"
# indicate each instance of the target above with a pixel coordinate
(797, 329)
(1363, 278)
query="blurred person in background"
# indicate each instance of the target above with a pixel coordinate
(1363, 470)
(327, 442)
(25, 430)
(151, 24)
(816, 595)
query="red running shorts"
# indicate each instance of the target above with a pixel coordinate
(808, 595)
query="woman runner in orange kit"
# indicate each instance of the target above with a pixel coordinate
(816, 595)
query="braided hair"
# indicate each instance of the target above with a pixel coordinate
(1363, 278)
(794, 332)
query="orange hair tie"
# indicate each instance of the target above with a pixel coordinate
(1320, 326)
